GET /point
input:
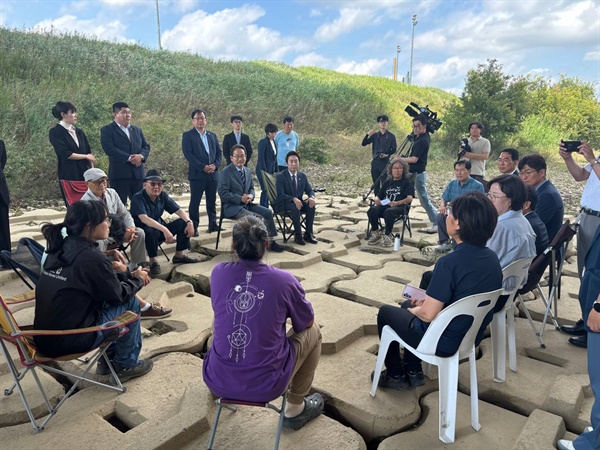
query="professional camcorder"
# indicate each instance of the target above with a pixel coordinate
(464, 147)
(433, 123)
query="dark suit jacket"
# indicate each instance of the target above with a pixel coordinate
(550, 208)
(267, 160)
(541, 235)
(231, 190)
(285, 190)
(3, 186)
(195, 153)
(229, 141)
(64, 146)
(119, 148)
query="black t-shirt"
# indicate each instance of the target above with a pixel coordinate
(420, 148)
(396, 190)
(382, 143)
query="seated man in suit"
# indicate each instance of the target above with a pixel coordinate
(508, 161)
(291, 185)
(236, 137)
(147, 208)
(237, 194)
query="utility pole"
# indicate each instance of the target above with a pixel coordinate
(397, 63)
(158, 26)
(412, 44)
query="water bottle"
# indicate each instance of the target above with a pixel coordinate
(397, 243)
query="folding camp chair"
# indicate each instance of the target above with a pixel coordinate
(221, 217)
(554, 258)
(405, 218)
(26, 259)
(31, 358)
(281, 217)
(72, 191)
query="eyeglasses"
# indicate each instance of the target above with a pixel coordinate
(238, 156)
(526, 173)
(156, 183)
(448, 210)
(492, 196)
(100, 181)
(108, 220)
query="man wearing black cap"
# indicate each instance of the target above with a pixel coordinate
(147, 207)
(383, 146)
(236, 137)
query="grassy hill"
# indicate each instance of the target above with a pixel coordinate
(162, 88)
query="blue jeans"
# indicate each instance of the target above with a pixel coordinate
(421, 191)
(591, 440)
(127, 348)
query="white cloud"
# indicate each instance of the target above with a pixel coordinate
(182, 6)
(368, 67)
(449, 73)
(348, 20)
(230, 34)
(315, 12)
(311, 59)
(592, 56)
(120, 2)
(107, 30)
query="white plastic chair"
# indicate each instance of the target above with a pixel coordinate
(476, 306)
(514, 276)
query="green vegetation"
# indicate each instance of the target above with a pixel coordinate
(332, 111)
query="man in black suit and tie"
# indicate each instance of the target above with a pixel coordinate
(291, 185)
(4, 202)
(127, 151)
(201, 149)
(237, 194)
(236, 137)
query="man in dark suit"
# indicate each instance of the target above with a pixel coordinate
(291, 185)
(541, 239)
(127, 151)
(236, 137)
(4, 202)
(508, 161)
(237, 194)
(550, 205)
(201, 149)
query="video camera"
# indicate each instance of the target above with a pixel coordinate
(433, 123)
(464, 147)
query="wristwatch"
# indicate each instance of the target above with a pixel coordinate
(189, 221)
(594, 163)
(597, 307)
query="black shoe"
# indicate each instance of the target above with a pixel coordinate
(579, 341)
(154, 268)
(313, 407)
(142, 367)
(415, 378)
(399, 383)
(215, 229)
(275, 247)
(102, 367)
(574, 330)
(310, 238)
(185, 259)
(196, 234)
(298, 239)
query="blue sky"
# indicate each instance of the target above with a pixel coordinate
(547, 38)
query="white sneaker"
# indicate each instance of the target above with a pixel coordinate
(374, 239)
(431, 230)
(387, 241)
(444, 248)
(564, 444)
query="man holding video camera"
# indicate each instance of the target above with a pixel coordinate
(477, 150)
(383, 146)
(589, 218)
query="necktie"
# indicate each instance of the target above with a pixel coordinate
(243, 178)
(295, 184)
(237, 138)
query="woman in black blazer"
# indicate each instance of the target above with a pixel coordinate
(267, 159)
(71, 147)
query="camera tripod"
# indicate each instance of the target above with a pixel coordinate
(397, 153)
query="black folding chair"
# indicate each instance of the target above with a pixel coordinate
(26, 259)
(283, 218)
(405, 218)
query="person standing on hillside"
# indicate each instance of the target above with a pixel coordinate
(286, 141)
(4, 202)
(127, 151)
(236, 137)
(383, 145)
(479, 152)
(201, 149)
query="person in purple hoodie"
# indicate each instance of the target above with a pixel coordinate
(252, 358)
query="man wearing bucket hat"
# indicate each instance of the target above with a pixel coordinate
(147, 208)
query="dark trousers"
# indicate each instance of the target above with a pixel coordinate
(377, 168)
(126, 188)
(401, 321)
(296, 215)
(442, 230)
(389, 213)
(197, 189)
(265, 213)
(4, 227)
(155, 237)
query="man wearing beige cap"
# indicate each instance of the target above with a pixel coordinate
(98, 189)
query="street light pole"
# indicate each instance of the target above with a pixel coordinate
(158, 26)
(398, 49)
(412, 43)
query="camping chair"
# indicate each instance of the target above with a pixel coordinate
(286, 228)
(31, 358)
(554, 258)
(405, 218)
(72, 191)
(26, 259)
(221, 217)
(228, 403)
(513, 276)
(476, 306)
